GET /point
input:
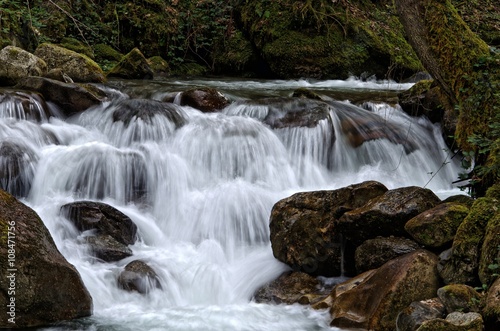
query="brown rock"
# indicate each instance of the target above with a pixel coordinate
(491, 311)
(208, 100)
(16, 63)
(17, 167)
(140, 277)
(412, 317)
(459, 297)
(47, 288)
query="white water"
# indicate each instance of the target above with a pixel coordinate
(201, 196)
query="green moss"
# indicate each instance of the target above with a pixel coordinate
(159, 66)
(235, 55)
(77, 46)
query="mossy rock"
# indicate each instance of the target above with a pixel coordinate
(460, 198)
(77, 46)
(77, 66)
(159, 65)
(494, 192)
(16, 63)
(132, 66)
(189, 69)
(454, 322)
(462, 266)
(436, 227)
(460, 297)
(489, 264)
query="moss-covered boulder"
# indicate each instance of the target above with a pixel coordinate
(456, 321)
(375, 303)
(133, 65)
(436, 227)
(462, 265)
(77, 46)
(39, 286)
(303, 233)
(106, 56)
(459, 297)
(159, 66)
(489, 262)
(77, 66)
(16, 63)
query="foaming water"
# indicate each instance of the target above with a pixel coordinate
(200, 188)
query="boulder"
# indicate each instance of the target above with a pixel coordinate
(140, 277)
(38, 286)
(491, 310)
(461, 264)
(16, 63)
(412, 317)
(436, 227)
(489, 261)
(386, 215)
(58, 74)
(373, 253)
(70, 97)
(375, 303)
(24, 105)
(130, 110)
(106, 248)
(207, 100)
(104, 219)
(455, 322)
(289, 288)
(459, 297)
(159, 66)
(302, 227)
(17, 167)
(132, 66)
(460, 198)
(77, 66)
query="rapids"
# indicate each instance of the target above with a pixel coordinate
(200, 188)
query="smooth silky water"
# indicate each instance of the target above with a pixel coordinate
(201, 194)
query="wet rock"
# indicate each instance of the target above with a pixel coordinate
(107, 248)
(491, 310)
(77, 66)
(422, 99)
(17, 167)
(385, 215)
(207, 100)
(140, 277)
(289, 288)
(375, 303)
(455, 322)
(106, 220)
(373, 253)
(132, 66)
(459, 297)
(305, 93)
(23, 105)
(437, 226)
(129, 110)
(489, 261)
(460, 198)
(302, 227)
(412, 317)
(47, 288)
(461, 266)
(70, 97)
(58, 74)
(16, 63)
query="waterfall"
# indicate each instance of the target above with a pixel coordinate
(200, 188)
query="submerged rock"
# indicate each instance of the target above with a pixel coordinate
(303, 234)
(17, 167)
(16, 63)
(140, 277)
(129, 110)
(375, 303)
(23, 105)
(77, 66)
(107, 248)
(47, 288)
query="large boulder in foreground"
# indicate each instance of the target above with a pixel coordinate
(374, 304)
(16, 63)
(37, 280)
(386, 215)
(72, 98)
(77, 66)
(302, 226)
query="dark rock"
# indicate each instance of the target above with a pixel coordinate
(385, 215)
(47, 288)
(132, 66)
(305, 93)
(455, 322)
(460, 198)
(289, 288)
(77, 66)
(459, 297)
(375, 303)
(490, 250)
(302, 227)
(461, 267)
(23, 105)
(89, 215)
(437, 226)
(207, 100)
(72, 98)
(491, 310)
(140, 277)
(16, 63)
(107, 248)
(17, 167)
(132, 109)
(412, 317)
(159, 66)
(373, 253)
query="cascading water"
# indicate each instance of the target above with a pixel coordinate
(200, 188)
